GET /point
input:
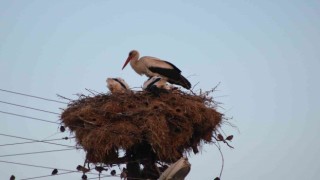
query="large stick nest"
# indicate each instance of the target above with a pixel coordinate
(160, 128)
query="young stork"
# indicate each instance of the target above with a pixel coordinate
(156, 85)
(151, 66)
(157, 82)
(117, 85)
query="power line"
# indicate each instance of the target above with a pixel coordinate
(43, 167)
(34, 141)
(70, 171)
(32, 96)
(38, 177)
(38, 119)
(59, 174)
(17, 137)
(31, 165)
(29, 107)
(39, 152)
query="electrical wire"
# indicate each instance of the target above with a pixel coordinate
(29, 117)
(38, 119)
(17, 137)
(35, 141)
(34, 118)
(4, 102)
(33, 96)
(38, 177)
(43, 167)
(38, 152)
(36, 166)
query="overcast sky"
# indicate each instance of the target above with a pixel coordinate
(265, 54)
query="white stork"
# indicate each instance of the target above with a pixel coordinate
(117, 85)
(151, 66)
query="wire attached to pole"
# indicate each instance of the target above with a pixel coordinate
(37, 97)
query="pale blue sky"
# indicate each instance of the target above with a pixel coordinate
(265, 54)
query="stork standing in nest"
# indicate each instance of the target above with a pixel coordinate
(117, 85)
(152, 66)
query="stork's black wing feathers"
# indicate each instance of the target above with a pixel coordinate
(169, 73)
(173, 75)
(174, 67)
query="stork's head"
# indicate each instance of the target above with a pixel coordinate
(134, 54)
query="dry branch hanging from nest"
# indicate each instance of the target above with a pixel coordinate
(143, 126)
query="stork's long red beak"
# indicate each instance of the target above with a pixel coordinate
(127, 61)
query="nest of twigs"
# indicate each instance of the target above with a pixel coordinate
(114, 128)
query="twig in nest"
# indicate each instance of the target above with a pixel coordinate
(90, 91)
(62, 97)
(194, 86)
(99, 93)
(214, 89)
